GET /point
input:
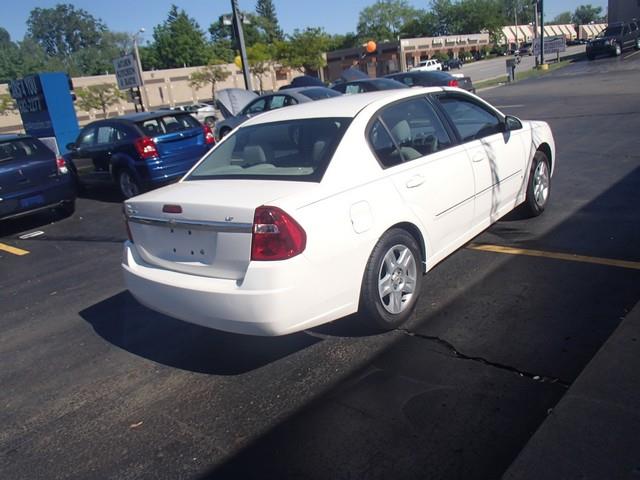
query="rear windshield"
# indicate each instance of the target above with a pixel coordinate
(319, 93)
(168, 124)
(22, 149)
(289, 150)
(611, 31)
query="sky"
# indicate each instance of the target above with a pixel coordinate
(336, 16)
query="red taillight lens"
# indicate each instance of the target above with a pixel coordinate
(276, 235)
(209, 139)
(146, 147)
(62, 166)
(453, 83)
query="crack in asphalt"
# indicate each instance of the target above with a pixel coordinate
(484, 361)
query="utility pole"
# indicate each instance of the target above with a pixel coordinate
(535, 26)
(137, 54)
(542, 32)
(237, 26)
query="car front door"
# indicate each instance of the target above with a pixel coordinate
(431, 172)
(498, 157)
(84, 156)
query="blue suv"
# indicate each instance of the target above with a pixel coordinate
(139, 151)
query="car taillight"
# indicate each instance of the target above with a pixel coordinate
(209, 139)
(276, 235)
(62, 166)
(453, 83)
(146, 147)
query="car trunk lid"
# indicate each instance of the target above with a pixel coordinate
(24, 164)
(211, 236)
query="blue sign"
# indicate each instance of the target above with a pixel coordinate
(46, 107)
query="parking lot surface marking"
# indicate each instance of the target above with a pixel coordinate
(631, 55)
(555, 255)
(14, 250)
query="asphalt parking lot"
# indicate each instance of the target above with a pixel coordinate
(96, 386)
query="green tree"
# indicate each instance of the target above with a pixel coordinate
(304, 49)
(179, 42)
(563, 18)
(384, 19)
(339, 41)
(425, 24)
(585, 14)
(522, 10)
(268, 21)
(260, 58)
(209, 75)
(64, 30)
(7, 105)
(96, 97)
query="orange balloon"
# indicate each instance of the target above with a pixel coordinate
(371, 46)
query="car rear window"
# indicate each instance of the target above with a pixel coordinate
(319, 93)
(168, 124)
(289, 150)
(22, 149)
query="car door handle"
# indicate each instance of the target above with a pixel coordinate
(478, 157)
(415, 181)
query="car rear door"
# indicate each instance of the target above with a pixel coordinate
(431, 172)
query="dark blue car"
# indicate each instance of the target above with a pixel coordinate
(138, 151)
(32, 178)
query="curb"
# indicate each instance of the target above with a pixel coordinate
(593, 431)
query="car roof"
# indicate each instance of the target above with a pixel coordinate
(142, 116)
(342, 106)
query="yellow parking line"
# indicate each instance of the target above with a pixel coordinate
(14, 250)
(555, 255)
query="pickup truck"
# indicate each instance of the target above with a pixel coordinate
(427, 66)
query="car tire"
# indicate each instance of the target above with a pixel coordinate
(637, 47)
(591, 57)
(127, 183)
(392, 280)
(539, 186)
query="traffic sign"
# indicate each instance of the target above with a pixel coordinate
(127, 72)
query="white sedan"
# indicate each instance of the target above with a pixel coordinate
(310, 213)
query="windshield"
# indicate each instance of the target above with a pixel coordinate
(610, 32)
(294, 149)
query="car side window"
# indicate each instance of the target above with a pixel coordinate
(256, 107)
(354, 88)
(472, 120)
(87, 137)
(105, 135)
(416, 128)
(278, 101)
(385, 150)
(408, 81)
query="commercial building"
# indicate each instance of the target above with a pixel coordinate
(623, 10)
(518, 34)
(401, 55)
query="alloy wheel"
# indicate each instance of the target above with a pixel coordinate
(541, 184)
(397, 279)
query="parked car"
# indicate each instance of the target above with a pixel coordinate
(433, 79)
(202, 112)
(431, 65)
(452, 63)
(524, 50)
(138, 151)
(307, 214)
(273, 101)
(32, 178)
(367, 85)
(614, 39)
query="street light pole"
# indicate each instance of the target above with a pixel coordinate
(542, 33)
(137, 54)
(237, 24)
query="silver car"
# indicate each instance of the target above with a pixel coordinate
(273, 101)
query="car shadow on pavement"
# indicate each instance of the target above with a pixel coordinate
(101, 193)
(124, 322)
(9, 228)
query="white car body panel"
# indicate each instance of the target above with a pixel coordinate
(427, 66)
(447, 197)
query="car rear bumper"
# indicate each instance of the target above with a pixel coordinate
(271, 300)
(35, 199)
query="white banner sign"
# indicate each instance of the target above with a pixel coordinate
(551, 45)
(127, 72)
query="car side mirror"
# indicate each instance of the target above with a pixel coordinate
(511, 123)
(72, 147)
